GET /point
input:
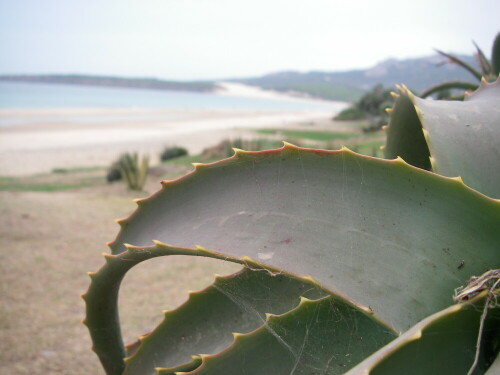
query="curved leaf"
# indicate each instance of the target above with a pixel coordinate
(462, 138)
(325, 336)
(449, 86)
(463, 64)
(205, 323)
(444, 343)
(482, 60)
(101, 301)
(386, 234)
(495, 56)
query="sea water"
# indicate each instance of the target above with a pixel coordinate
(42, 95)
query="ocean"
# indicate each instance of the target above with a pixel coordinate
(41, 95)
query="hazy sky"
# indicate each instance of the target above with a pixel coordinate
(195, 39)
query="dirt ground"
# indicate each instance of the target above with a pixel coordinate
(48, 241)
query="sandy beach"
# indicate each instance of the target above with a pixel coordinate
(39, 140)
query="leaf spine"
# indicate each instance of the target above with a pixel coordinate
(289, 145)
(107, 256)
(309, 278)
(395, 95)
(197, 165)
(433, 163)
(385, 127)
(415, 336)
(304, 300)
(269, 315)
(236, 335)
(238, 151)
(388, 110)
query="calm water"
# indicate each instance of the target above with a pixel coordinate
(41, 95)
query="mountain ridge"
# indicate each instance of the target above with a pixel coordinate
(416, 73)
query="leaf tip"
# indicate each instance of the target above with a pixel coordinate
(394, 94)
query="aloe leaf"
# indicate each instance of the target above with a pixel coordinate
(461, 138)
(205, 323)
(482, 60)
(325, 336)
(444, 343)
(495, 56)
(448, 86)
(388, 235)
(463, 64)
(190, 366)
(101, 300)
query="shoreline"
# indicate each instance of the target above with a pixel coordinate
(44, 139)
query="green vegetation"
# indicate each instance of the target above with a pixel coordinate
(321, 90)
(489, 71)
(372, 107)
(134, 170)
(172, 153)
(56, 181)
(314, 135)
(351, 264)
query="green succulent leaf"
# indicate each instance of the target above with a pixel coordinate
(449, 86)
(482, 61)
(382, 232)
(205, 323)
(190, 366)
(455, 60)
(451, 138)
(444, 343)
(495, 56)
(326, 336)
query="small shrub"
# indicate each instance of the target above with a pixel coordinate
(114, 172)
(172, 152)
(128, 166)
(350, 114)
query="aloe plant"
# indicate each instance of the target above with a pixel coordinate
(134, 171)
(489, 71)
(349, 262)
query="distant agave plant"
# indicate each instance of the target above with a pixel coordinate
(489, 71)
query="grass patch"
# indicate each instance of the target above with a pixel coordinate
(313, 135)
(59, 179)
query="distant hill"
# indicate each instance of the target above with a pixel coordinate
(418, 74)
(143, 83)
